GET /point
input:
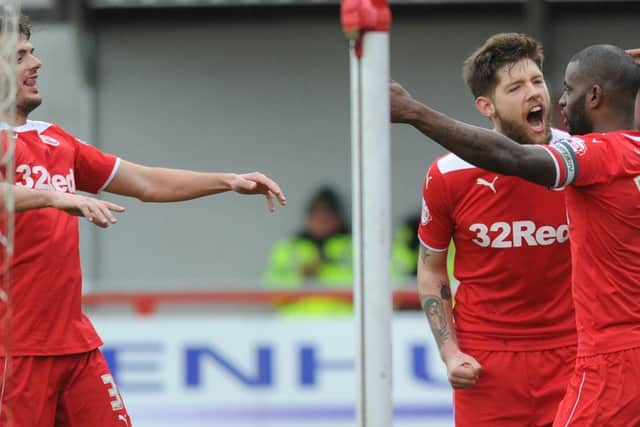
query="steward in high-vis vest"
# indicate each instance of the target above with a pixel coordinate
(318, 257)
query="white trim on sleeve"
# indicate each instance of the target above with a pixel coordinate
(114, 171)
(556, 166)
(430, 248)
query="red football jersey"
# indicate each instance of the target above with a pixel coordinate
(45, 274)
(512, 256)
(602, 175)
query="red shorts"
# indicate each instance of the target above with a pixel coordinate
(74, 390)
(603, 391)
(515, 388)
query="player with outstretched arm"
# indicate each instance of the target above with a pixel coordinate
(57, 375)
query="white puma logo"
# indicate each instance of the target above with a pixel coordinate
(123, 419)
(426, 181)
(491, 185)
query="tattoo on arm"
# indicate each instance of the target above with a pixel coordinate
(432, 306)
(445, 291)
(424, 254)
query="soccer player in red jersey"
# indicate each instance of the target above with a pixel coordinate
(601, 172)
(514, 333)
(51, 370)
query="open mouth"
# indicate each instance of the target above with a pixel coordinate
(31, 81)
(535, 118)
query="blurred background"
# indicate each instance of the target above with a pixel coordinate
(243, 85)
(250, 85)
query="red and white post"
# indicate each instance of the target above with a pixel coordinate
(366, 23)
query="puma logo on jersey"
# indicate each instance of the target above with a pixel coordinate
(425, 217)
(517, 234)
(39, 178)
(123, 419)
(49, 141)
(491, 185)
(427, 180)
(116, 402)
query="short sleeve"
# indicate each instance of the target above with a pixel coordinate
(581, 161)
(436, 226)
(93, 169)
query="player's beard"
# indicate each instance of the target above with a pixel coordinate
(518, 132)
(27, 105)
(579, 123)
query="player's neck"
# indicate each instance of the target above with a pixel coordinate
(612, 123)
(16, 119)
(605, 126)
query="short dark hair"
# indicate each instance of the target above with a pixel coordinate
(480, 69)
(610, 67)
(325, 197)
(24, 26)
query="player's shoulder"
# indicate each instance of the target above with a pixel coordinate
(580, 144)
(558, 135)
(575, 144)
(631, 135)
(54, 130)
(31, 125)
(450, 163)
(621, 142)
(599, 137)
(43, 127)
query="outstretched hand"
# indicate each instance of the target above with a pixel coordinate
(403, 105)
(96, 211)
(258, 183)
(462, 370)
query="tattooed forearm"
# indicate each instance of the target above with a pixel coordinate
(432, 306)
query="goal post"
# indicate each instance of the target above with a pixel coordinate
(366, 23)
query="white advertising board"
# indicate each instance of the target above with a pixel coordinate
(224, 371)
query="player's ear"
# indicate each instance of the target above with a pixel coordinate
(594, 96)
(485, 106)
